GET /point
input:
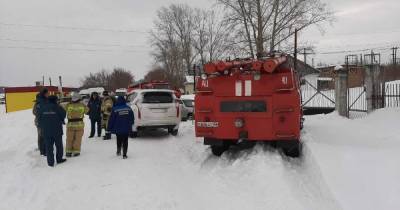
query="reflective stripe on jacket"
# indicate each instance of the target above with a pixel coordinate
(75, 114)
(107, 105)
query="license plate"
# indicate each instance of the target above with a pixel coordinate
(159, 110)
(208, 124)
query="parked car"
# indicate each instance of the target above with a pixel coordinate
(155, 108)
(187, 102)
(121, 92)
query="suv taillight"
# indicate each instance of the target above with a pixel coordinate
(139, 113)
(177, 110)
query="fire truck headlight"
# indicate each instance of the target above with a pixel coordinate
(226, 72)
(203, 76)
(239, 123)
(257, 76)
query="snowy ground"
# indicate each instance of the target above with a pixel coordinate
(2, 109)
(348, 164)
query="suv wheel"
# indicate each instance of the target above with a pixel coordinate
(133, 134)
(172, 131)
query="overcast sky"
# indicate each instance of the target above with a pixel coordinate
(102, 34)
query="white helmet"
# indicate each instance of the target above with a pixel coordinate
(75, 97)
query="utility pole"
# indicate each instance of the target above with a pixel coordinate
(50, 80)
(394, 55)
(295, 49)
(305, 53)
(60, 87)
(194, 78)
(42, 80)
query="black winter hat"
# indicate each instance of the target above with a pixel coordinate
(105, 93)
(44, 91)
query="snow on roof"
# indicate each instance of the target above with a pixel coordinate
(338, 67)
(188, 97)
(189, 79)
(91, 90)
(325, 78)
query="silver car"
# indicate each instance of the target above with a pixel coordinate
(187, 104)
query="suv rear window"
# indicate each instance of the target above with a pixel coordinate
(188, 103)
(243, 106)
(157, 97)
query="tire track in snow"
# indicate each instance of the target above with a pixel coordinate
(307, 181)
(302, 177)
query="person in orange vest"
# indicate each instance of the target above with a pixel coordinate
(75, 127)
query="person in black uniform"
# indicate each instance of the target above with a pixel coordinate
(51, 118)
(94, 106)
(41, 98)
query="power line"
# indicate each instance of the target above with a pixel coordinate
(72, 49)
(73, 43)
(351, 51)
(358, 33)
(72, 28)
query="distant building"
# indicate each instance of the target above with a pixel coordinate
(189, 85)
(21, 98)
(355, 78)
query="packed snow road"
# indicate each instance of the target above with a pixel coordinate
(165, 172)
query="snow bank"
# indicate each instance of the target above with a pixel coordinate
(359, 159)
(2, 109)
(348, 164)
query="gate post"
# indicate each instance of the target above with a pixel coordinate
(373, 87)
(341, 105)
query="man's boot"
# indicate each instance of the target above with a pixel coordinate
(68, 154)
(107, 136)
(61, 161)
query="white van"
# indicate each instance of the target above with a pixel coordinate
(155, 108)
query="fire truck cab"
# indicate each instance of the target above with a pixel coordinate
(248, 101)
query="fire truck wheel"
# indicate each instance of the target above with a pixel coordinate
(292, 149)
(218, 150)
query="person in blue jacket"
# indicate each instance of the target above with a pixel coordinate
(51, 118)
(120, 124)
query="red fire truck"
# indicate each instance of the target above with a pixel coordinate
(248, 101)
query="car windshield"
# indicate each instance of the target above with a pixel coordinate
(188, 103)
(157, 97)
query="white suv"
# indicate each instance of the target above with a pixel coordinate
(155, 108)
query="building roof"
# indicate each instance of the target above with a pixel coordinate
(325, 78)
(36, 89)
(189, 79)
(91, 90)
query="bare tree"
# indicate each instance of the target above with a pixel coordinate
(269, 23)
(119, 78)
(157, 73)
(211, 36)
